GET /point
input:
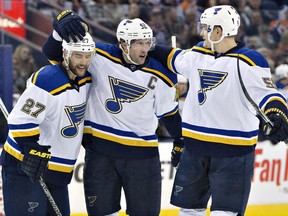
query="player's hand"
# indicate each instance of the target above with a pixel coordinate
(279, 131)
(70, 26)
(35, 160)
(178, 146)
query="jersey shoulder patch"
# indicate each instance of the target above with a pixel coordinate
(252, 57)
(52, 79)
(156, 68)
(113, 52)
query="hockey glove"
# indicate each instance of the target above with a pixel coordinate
(70, 26)
(178, 146)
(35, 160)
(279, 131)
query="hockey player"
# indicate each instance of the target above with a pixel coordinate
(45, 128)
(220, 126)
(130, 92)
(281, 79)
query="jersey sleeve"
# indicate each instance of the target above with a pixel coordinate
(260, 86)
(166, 101)
(166, 56)
(52, 49)
(28, 113)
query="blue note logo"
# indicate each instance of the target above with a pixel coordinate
(123, 92)
(216, 10)
(208, 81)
(75, 115)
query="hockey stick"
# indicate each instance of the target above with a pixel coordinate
(41, 180)
(173, 41)
(268, 123)
(3, 109)
(49, 196)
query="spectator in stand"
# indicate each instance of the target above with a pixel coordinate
(281, 51)
(279, 26)
(174, 24)
(281, 79)
(267, 9)
(268, 55)
(168, 3)
(255, 21)
(146, 8)
(157, 25)
(188, 3)
(234, 3)
(253, 42)
(134, 11)
(190, 36)
(23, 66)
(266, 37)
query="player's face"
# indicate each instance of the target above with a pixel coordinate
(204, 34)
(139, 50)
(79, 62)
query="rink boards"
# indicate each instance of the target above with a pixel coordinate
(269, 192)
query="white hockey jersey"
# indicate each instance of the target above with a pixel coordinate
(51, 113)
(217, 117)
(125, 104)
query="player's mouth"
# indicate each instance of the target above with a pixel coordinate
(81, 67)
(142, 57)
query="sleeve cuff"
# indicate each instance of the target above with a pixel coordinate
(56, 36)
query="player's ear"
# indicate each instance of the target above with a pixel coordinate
(218, 30)
(123, 46)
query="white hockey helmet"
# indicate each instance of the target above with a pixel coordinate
(223, 15)
(134, 29)
(85, 45)
(281, 71)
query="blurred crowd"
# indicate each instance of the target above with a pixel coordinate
(264, 27)
(23, 67)
(264, 23)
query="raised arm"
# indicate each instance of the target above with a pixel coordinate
(52, 49)
(68, 26)
(161, 53)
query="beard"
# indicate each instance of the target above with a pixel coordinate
(73, 69)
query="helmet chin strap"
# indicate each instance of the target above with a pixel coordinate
(128, 54)
(214, 42)
(70, 72)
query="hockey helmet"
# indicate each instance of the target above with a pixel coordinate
(223, 15)
(134, 29)
(85, 45)
(281, 71)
